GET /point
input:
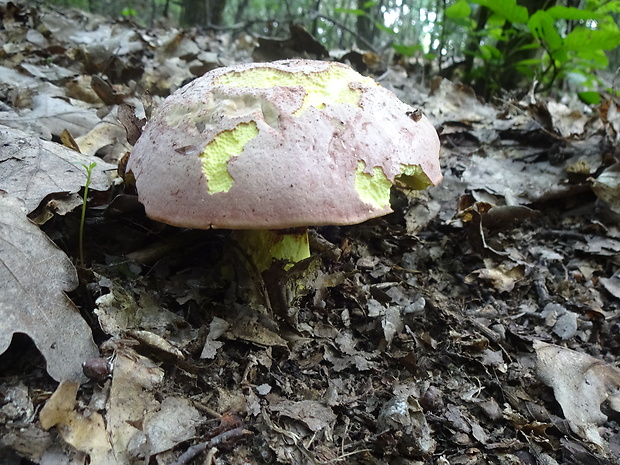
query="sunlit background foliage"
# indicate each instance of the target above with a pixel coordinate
(493, 45)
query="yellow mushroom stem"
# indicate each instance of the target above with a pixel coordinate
(265, 246)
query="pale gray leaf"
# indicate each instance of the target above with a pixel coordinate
(35, 275)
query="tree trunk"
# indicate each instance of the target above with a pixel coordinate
(203, 12)
(243, 5)
(315, 22)
(365, 25)
(473, 42)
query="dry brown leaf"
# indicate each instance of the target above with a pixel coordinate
(174, 422)
(514, 181)
(567, 121)
(85, 432)
(315, 415)
(607, 187)
(403, 414)
(502, 277)
(581, 383)
(108, 136)
(131, 400)
(249, 329)
(456, 102)
(612, 284)
(217, 328)
(32, 168)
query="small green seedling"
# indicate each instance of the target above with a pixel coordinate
(89, 171)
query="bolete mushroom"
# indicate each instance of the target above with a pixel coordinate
(272, 148)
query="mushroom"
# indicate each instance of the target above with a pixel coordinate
(272, 148)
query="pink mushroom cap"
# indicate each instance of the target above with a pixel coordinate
(280, 145)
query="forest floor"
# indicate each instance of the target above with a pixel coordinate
(477, 324)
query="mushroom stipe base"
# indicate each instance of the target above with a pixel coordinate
(265, 246)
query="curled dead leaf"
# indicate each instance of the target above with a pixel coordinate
(581, 383)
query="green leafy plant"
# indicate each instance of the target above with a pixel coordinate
(581, 51)
(412, 50)
(553, 45)
(89, 171)
(128, 12)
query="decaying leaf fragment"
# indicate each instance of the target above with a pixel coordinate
(502, 277)
(607, 187)
(612, 284)
(313, 414)
(131, 399)
(403, 416)
(86, 433)
(133, 425)
(581, 383)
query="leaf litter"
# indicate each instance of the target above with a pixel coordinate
(477, 324)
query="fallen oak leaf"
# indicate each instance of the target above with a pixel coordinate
(33, 168)
(50, 115)
(35, 276)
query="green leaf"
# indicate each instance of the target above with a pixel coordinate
(459, 10)
(542, 27)
(350, 11)
(489, 52)
(529, 62)
(509, 9)
(582, 38)
(590, 97)
(384, 28)
(606, 7)
(560, 56)
(128, 12)
(528, 46)
(357, 11)
(407, 50)
(496, 33)
(594, 58)
(571, 13)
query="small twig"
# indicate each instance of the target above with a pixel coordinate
(208, 410)
(344, 456)
(322, 245)
(194, 450)
(211, 456)
(348, 29)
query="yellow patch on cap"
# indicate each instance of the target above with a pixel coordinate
(373, 189)
(412, 177)
(331, 85)
(216, 154)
